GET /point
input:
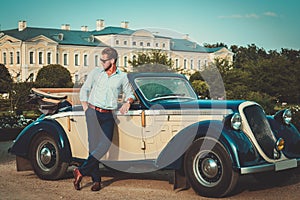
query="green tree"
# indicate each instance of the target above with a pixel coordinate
(54, 76)
(5, 79)
(153, 60)
(19, 96)
(201, 88)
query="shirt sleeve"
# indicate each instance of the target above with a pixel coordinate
(86, 87)
(127, 89)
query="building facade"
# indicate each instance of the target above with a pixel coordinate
(25, 50)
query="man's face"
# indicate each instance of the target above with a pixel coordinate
(106, 61)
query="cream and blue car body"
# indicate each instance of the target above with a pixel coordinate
(208, 144)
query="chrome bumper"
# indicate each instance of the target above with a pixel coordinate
(278, 166)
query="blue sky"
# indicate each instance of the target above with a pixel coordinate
(269, 24)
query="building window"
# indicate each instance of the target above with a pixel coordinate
(176, 63)
(148, 44)
(125, 42)
(40, 58)
(117, 42)
(65, 59)
(49, 58)
(18, 57)
(96, 60)
(141, 44)
(85, 77)
(11, 58)
(205, 63)
(125, 61)
(31, 57)
(76, 78)
(76, 60)
(4, 58)
(199, 64)
(163, 45)
(184, 64)
(134, 43)
(85, 60)
(156, 45)
(57, 58)
(192, 64)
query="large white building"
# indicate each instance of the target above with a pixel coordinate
(25, 50)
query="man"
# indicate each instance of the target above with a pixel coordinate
(99, 98)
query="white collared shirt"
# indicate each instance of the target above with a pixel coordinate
(102, 90)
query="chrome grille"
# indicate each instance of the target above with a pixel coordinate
(261, 130)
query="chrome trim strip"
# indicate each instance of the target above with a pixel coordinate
(190, 112)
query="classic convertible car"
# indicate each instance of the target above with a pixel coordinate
(208, 143)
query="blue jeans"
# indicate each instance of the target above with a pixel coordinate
(100, 128)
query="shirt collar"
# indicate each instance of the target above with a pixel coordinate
(118, 71)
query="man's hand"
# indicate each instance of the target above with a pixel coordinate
(84, 105)
(125, 107)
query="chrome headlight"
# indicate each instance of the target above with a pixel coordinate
(287, 116)
(236, 121)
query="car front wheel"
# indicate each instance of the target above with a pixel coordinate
(208, 168)
(45, 158)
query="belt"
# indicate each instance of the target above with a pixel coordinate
(99, 109)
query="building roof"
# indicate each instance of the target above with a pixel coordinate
(87, 38)
(69, 37)
(187, 45)
(111, 30)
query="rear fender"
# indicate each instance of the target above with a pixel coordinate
(21, 146)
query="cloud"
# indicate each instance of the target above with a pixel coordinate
(255, 16)
(270, 14)
(249, 16)
(238, 16)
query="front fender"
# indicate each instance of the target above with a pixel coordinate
(290, 134)
(21, 146)
(237, 144)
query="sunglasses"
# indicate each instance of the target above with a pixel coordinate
(104, 61)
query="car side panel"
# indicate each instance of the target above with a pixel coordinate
(127, 138)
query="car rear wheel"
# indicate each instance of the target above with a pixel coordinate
(208, 168)
(45, 158)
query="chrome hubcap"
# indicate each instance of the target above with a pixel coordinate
(45, 155)
(209, 167)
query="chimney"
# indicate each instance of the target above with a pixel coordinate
(84, 28)
(66, 27)
(22, 25)
(124, 24)
(186, 36)
(100, 24)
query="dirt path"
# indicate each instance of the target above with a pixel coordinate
(26, 185)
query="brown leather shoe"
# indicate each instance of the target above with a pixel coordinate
(96, 186)
(77, 178)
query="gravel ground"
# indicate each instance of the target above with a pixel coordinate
(26, 185)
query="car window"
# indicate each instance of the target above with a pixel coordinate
(159, 88)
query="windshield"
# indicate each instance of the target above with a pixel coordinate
(160, 88)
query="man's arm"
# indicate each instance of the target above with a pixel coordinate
(85, 91)
(129, 96)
